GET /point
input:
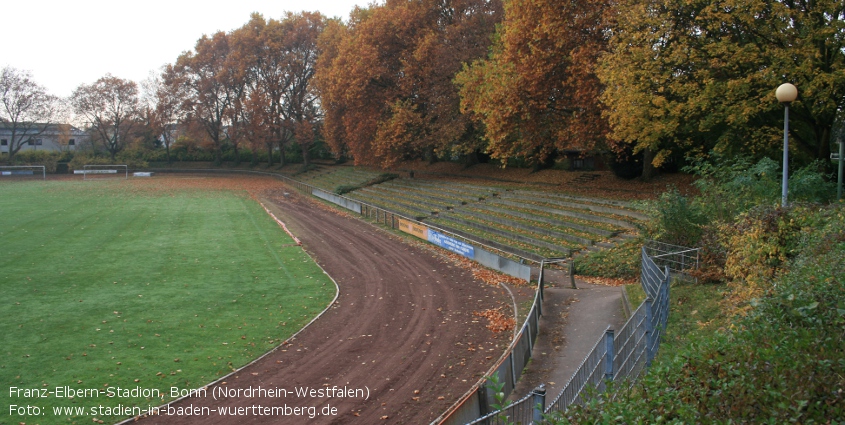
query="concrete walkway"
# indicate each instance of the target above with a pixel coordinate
(573, 320)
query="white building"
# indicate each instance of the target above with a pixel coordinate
(48, 137)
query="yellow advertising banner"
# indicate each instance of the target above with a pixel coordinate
(415, 229)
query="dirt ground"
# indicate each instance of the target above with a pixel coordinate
(402, 330)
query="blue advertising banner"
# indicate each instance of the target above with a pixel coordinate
(451, 244)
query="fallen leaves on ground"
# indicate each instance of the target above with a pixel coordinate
(607, 281)
(488, 276)
(497, 321)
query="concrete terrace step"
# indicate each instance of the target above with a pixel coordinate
(526, 227)
(576, 204)
(542, 219)
(400, 191)
(466, 196)
(510, 235)
(586, 178)
(492, 244)
(564, 197)
(567, 213)
(433, 204)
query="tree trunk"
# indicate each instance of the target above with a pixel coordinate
(648, 167)
(237, 155)
(823, 153)
(269, 155)
(218, 154)
(167, 152)
(429, 155)
(306, 157)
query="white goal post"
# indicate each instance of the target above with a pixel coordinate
(96, 169)
(23, 170)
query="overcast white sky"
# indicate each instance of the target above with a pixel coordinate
(68, 43)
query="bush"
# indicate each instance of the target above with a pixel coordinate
(346, 188)
(128, 159)
(49, 159)
(784, 362)
(730, 187)
(676, 220)
(758, 245)
(381, 178)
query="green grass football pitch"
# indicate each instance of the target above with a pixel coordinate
(105, 286)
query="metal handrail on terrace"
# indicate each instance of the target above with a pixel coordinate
(679, 259)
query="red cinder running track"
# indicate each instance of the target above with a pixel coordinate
(402, 330)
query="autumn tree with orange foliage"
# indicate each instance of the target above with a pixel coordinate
(110, 106)
(276, 60)
(204, 77)
(538, 94)
(386, 79)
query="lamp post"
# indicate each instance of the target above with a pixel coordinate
(786, 94)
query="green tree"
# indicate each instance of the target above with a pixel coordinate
(696, 75)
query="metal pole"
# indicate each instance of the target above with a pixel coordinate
(841, 153)
(649, 332)
(608, 366)
(785, 153)
(539, 400)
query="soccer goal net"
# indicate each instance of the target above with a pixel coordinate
(23, 172)
(90, 171)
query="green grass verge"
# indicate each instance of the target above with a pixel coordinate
(621, 261)
(106, 287)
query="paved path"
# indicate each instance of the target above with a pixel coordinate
(572, 322)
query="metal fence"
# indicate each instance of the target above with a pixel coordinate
(617, 356)
(680, 260)
(622, 356)
(479, 400)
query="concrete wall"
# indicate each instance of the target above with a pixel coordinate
(343, 202)
(506, 266)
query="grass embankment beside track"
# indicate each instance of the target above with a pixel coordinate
(125, 284)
